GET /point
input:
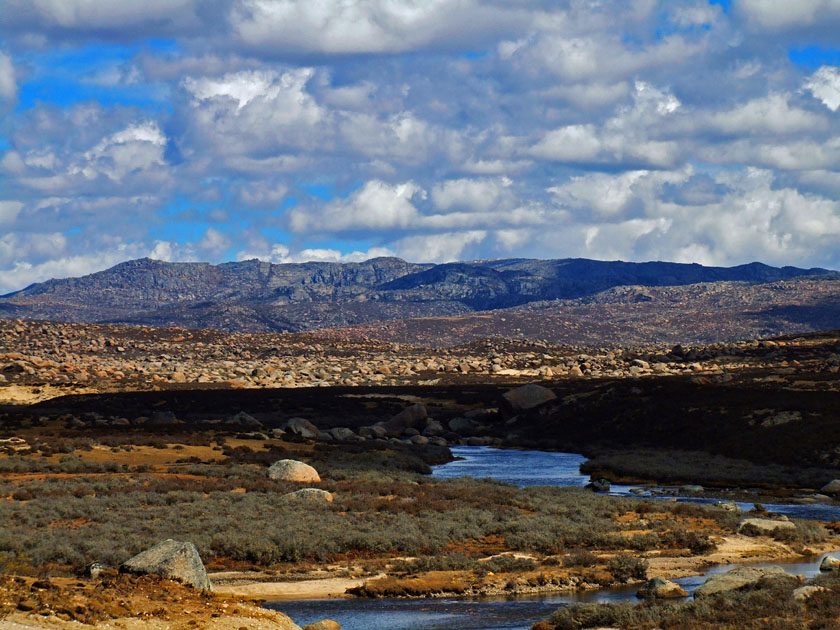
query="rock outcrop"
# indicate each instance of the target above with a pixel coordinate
(763, 526)
(171, 559)
(738, 578)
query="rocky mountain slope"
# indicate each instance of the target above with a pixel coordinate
(255, 296)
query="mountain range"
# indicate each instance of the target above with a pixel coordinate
(257, 296)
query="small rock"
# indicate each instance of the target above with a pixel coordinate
(832, 487)
(343, 434)
(326, 624)
(660, 588)
(376, 431)
(309, 495)
(829, 563)
(301, 427)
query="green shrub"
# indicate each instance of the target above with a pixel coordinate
(625, 567)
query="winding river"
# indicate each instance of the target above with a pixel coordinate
(522, 468)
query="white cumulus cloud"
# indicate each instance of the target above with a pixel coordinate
(824, 84)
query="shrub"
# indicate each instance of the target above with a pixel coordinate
(625, 567)
(581, 558)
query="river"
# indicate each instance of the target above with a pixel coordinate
(522, 468)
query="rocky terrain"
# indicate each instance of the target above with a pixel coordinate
(295, 463)
(769, 401)
(255, 296)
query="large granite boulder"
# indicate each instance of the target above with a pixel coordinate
(173, 560)
(660, 588)
(528, 397)
(293, 470)
(763, 526)
(414, 417)
(738, 578)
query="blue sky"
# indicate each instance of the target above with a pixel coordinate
(221, 130)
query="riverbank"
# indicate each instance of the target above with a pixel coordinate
(544, 579)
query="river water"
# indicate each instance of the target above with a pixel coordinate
(522, 468)
(540, 468)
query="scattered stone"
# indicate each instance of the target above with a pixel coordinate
(660, 588)
(173, 560)
(293, 470)
(326, 624)
(528, 397)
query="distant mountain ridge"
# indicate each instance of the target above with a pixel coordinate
(257, 296)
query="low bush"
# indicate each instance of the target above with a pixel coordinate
(625, 567)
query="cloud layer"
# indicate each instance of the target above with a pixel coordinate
(683, 130)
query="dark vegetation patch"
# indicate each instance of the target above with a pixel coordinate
(680, 466)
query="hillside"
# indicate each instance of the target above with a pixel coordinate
(255, 296)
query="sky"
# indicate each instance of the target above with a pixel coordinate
(433, 130)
